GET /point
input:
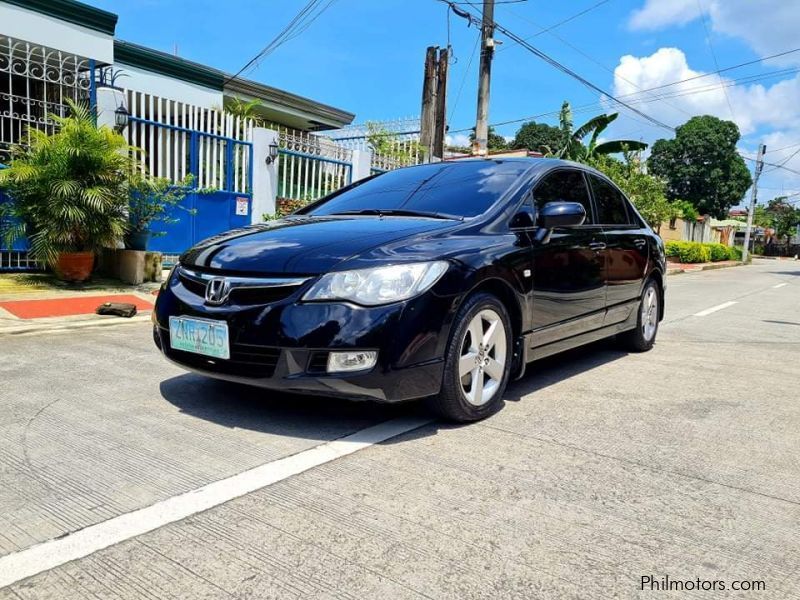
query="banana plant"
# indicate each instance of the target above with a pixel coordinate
(574, 148)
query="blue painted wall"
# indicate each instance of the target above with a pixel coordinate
(215, 213)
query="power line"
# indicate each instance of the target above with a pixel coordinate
(566, 70)
(464, 77)
(714, 56)
(786, 160)
(560, 23)
(587, 56)
(301, 21)
(648, 99)
(731, 68)
(783, 148)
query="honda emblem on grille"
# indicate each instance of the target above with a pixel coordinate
(217, 291)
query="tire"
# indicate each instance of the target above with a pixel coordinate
(643, 337)
(476, 375)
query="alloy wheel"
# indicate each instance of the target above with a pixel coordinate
(649, 315)
(482, 360)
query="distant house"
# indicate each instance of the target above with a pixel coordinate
(703, 229)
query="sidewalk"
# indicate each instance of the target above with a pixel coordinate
(36, 301)
(674, 268)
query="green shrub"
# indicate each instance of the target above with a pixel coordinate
(718, 252)
(688, 252)
(672, 248)
(734, 253)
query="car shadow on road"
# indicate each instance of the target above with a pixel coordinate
(234, 405)
(553, 369)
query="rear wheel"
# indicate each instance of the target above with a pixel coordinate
(477, 362)
(643, 337)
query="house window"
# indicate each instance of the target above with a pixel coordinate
(35, 84)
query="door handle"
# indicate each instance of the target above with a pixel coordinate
(597, 246)
(639, 243)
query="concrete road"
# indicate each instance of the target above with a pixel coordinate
(603, 468)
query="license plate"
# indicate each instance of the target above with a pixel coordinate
(200, 336)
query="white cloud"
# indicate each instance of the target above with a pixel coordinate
(767, 26)
(754, 106)
(764, 113)
(656, 14)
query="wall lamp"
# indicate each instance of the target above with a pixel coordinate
(121, 118)
(273, 153)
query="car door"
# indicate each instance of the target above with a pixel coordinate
(569, 268)
(627, 248)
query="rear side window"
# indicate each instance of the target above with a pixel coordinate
(611, 204)
(563, 186)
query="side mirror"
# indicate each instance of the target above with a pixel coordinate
(559, 214)
(562, 214)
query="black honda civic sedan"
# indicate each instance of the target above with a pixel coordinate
(438, 281)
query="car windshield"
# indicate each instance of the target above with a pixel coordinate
(453, 189)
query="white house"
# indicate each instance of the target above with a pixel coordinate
(55, 50)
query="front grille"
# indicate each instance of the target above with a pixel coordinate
(246, 360)
(198, 288)
(261, 295)
(244, 291)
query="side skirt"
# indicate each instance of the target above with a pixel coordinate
(579, 340)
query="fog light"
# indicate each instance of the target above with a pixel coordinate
(351, 361)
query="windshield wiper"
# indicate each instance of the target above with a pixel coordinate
(400, 212)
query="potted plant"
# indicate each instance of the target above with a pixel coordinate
(152, 201)
(68, 192)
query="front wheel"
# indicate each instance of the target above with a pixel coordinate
(478, 361)
(643, 337)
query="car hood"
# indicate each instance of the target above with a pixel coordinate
(302, 245)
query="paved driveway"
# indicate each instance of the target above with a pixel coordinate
(603, 468)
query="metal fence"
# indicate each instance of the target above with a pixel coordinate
(180, 139)
(394, 144)
(35, 84)
(310, 165)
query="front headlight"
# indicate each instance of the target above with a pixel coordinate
(379, 285)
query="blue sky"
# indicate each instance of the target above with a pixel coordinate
(366, 56)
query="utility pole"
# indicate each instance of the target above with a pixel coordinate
(428, 116)
(753, 196)
(479, 146)
(440, 120)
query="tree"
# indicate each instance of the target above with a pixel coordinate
(245, 109)
(539, 137)
(494, 140)
(784, 217)
(385, 143)
(573, 147)
(701, 165)
(645, 191)
(69, 189)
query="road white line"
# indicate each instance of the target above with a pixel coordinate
(780, 285)
(48, 555)
(714, 309)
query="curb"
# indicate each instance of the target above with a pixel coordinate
(707, 267)
(50, 327)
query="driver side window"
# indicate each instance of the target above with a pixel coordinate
(564, 186)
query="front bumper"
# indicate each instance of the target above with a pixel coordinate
(283, 345)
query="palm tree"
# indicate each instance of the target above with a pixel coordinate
(574, 148)
(68, 190)
(245, 109)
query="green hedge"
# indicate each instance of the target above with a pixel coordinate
(695, 252)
